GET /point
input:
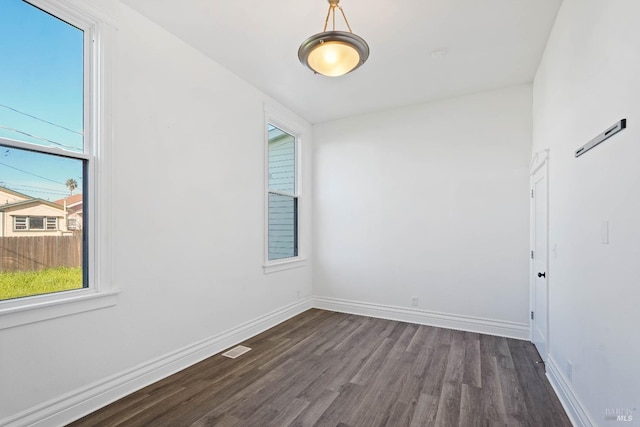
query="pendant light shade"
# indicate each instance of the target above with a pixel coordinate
(333, 53)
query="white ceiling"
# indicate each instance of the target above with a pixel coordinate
(489, 43)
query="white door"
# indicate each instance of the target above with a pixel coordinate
(539, 284)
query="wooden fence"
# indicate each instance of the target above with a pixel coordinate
(40, 252)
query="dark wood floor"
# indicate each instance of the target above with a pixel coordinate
(331, 369)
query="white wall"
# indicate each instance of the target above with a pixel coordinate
(188, 128)
(429, 201)
(589, 79)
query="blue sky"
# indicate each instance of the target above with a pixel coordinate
(41, 94)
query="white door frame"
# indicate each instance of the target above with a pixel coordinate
(538, 161)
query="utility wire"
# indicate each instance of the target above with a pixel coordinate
(13, 184)
(60, 195)
(40, 138)
(30, 173)
(29, 189)
(38, 118)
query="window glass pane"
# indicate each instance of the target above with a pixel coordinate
(38, 253)
(283, 226)
(282, 161)
(41, 78)
(36, 223)
(41, 103)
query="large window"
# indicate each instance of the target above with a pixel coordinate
(282, 195)
(47, 223)
(52, 104)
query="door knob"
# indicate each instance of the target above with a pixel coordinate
(542, 274)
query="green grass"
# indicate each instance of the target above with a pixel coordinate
(16, 284)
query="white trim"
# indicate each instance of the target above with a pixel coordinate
(283, 193)
(284, 264)
(44, 149)
(539, 161)
(480, 325)
(573, 407)
(101, 247)
(69, 10)
(279, 118)
(32, 310)
(80, 402)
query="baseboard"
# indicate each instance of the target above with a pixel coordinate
(574, 409)
(423, 317)
(74, 405)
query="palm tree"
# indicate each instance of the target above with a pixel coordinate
(71, 184)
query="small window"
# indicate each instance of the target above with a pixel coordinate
(52, 223)
(282, 195)
(20, 223)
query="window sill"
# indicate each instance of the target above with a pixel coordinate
(38, 310)
(284, 264)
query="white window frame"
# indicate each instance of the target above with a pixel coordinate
(46, 220)
(98, 26)
(286, 122)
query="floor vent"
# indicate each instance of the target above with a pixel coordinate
(236, 351)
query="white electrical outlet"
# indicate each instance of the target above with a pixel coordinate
(570, 370)
(414, 301)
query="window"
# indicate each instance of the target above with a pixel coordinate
(34, 223)
(52, 223)
(286, 222)
(72, 224)
(53, 142)
(20, 223)
(42, 138)
(282, 194)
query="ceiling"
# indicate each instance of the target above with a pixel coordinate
(488, 44)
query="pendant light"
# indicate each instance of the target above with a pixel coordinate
(333, 53)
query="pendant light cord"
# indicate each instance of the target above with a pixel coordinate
(326, 21)
(332, 12)
(345, 19)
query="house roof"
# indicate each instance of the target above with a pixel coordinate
(73, 200)
(30, 201)
(14, 193)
